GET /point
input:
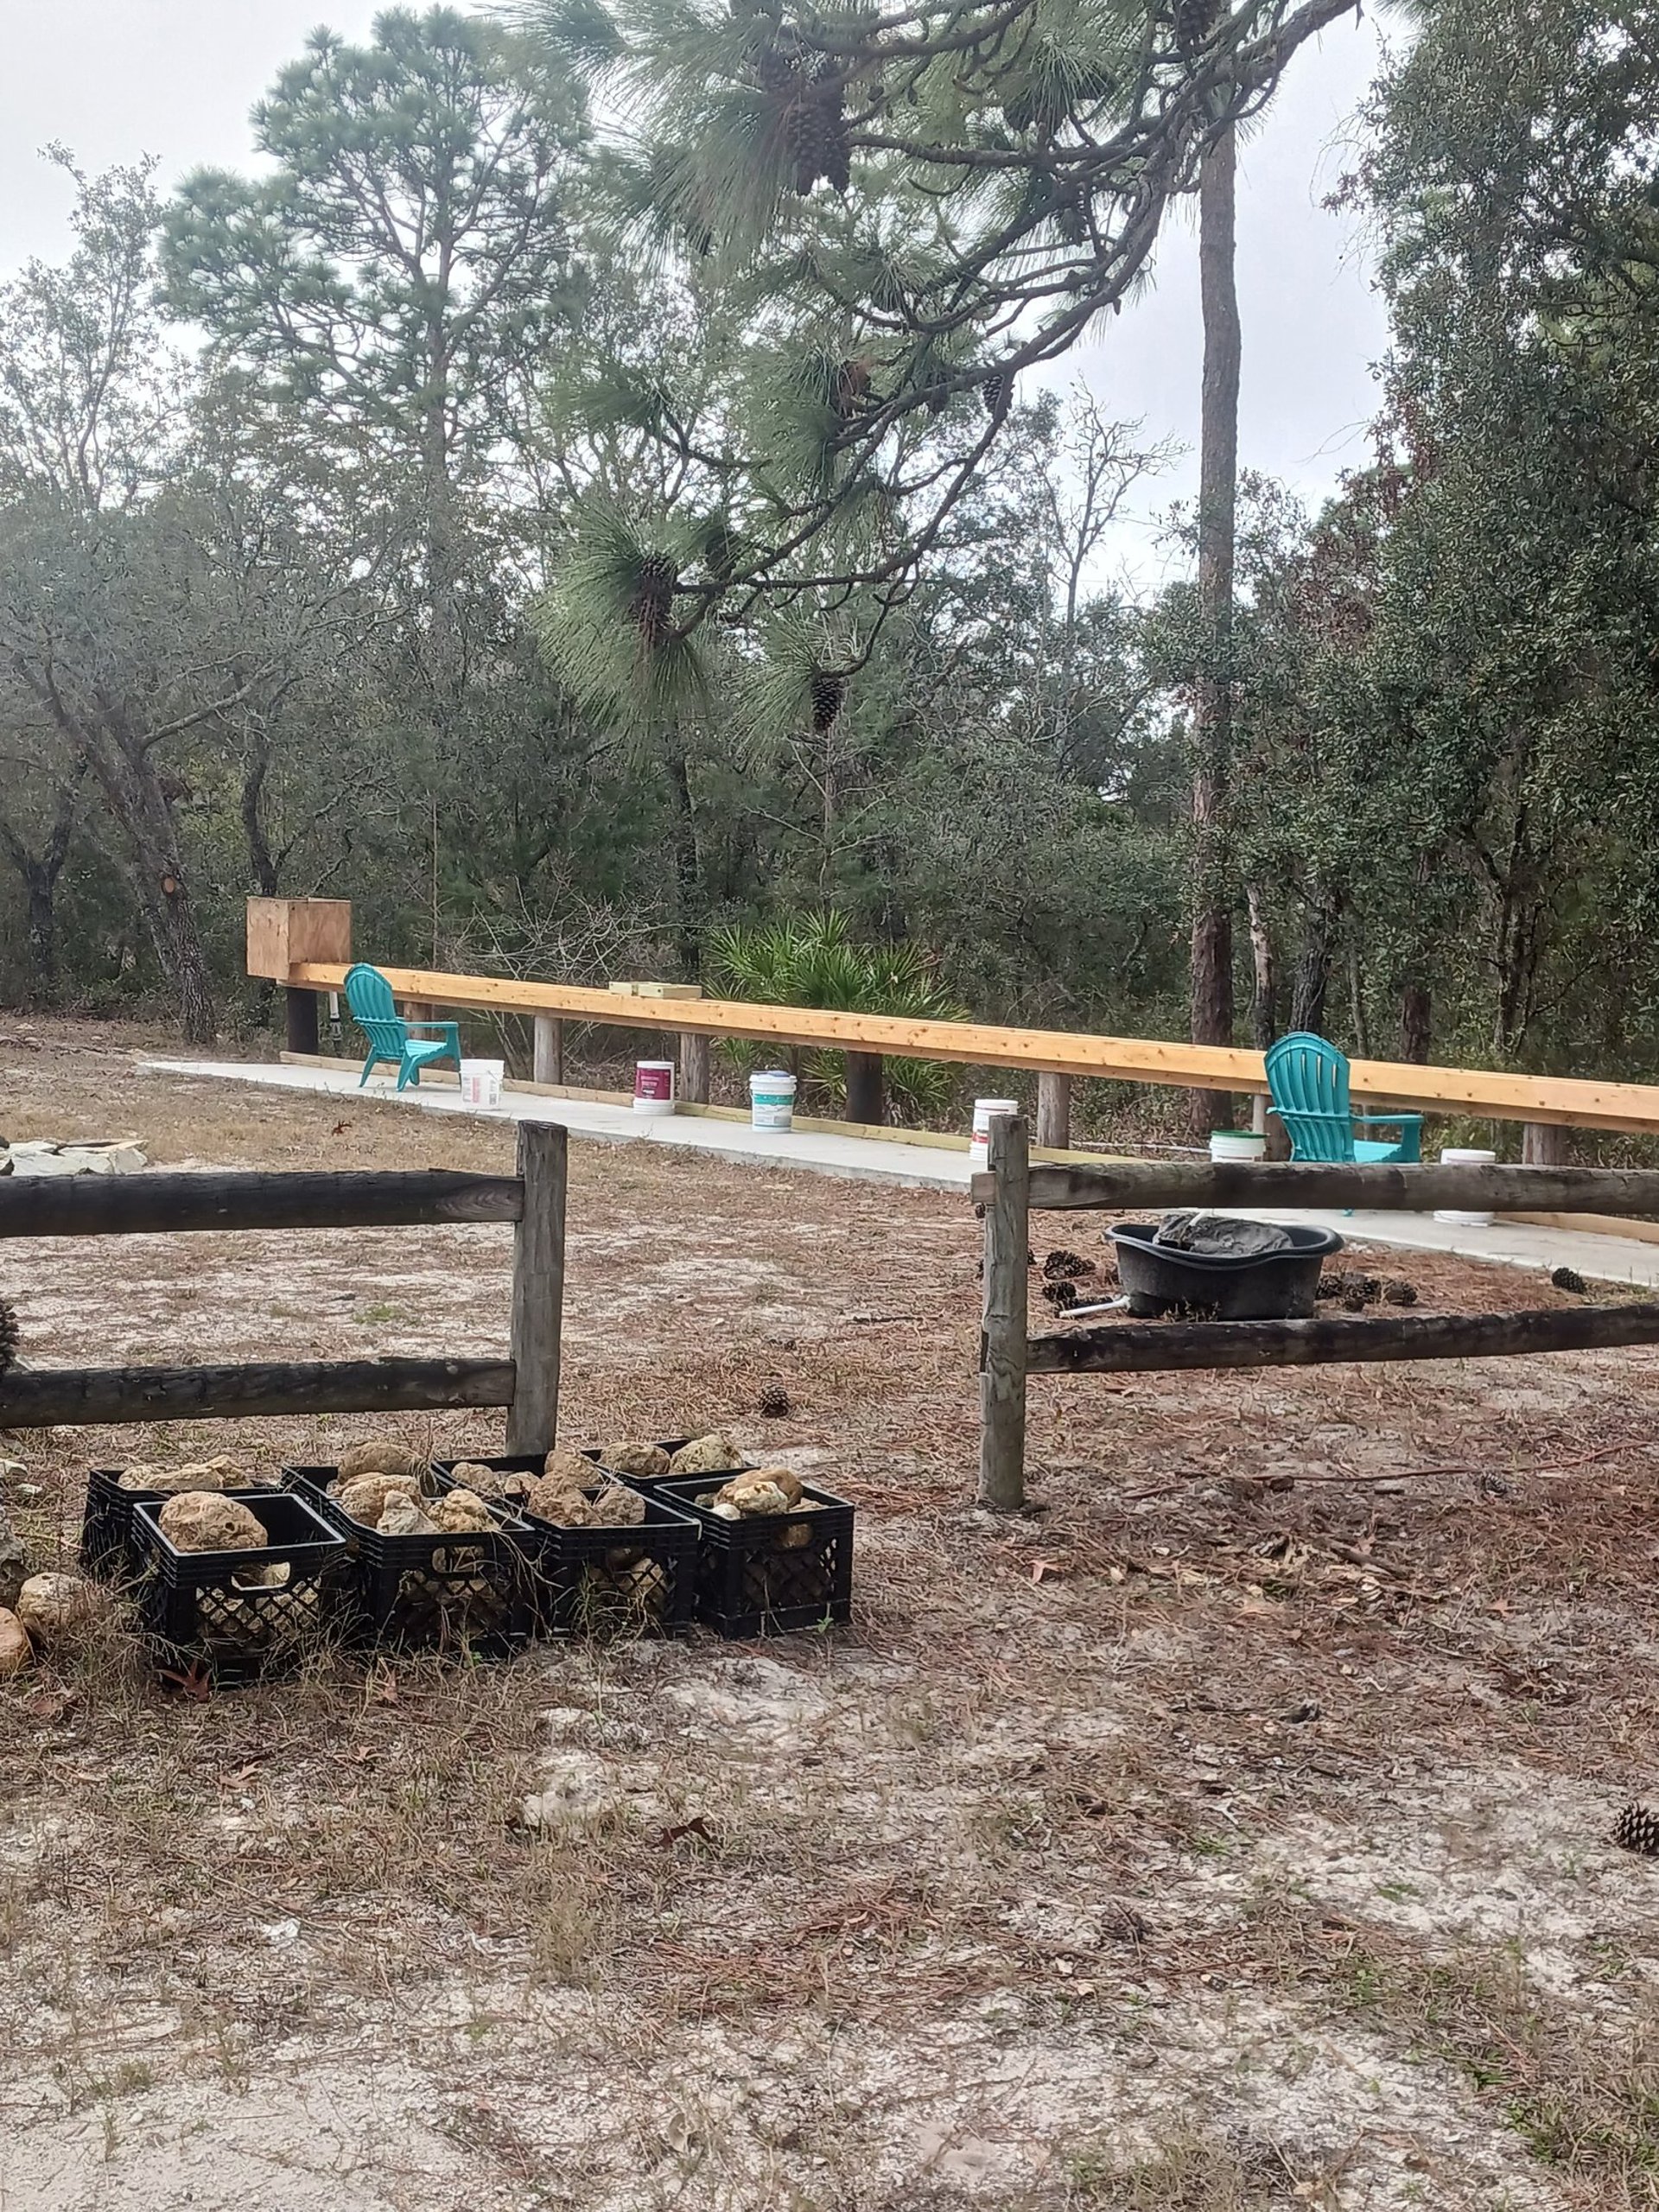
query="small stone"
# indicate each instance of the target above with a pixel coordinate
(53, 1606)
(15, 1649)
(11, 1468)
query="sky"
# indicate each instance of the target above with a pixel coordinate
(115, 79)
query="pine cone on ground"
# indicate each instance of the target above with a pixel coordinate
(1062, 1263)
(1636, 1828)
(1398, 1291)
(12, 1335)
(774, 1401)
(1562, 1278)
(1060, 1295)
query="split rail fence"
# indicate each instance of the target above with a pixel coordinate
(1013, 1187)
(526, 1382)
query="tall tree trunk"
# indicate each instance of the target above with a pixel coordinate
(1312, 976)
(1212, 1008)
(1414, 1008)
(1264, 998)
(40, 873)
(687, 873)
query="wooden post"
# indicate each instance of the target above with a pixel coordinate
(864, 1086)
(1545, 1144)
(1002, 1337)
(694, 1067)
(538, 1288)
(302, 1020)
(548, 1064)
(1054, 1111)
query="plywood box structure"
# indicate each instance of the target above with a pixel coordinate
(285, 933)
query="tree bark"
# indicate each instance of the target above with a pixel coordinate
(1313, 977)
(687, 873)
(40, 873)
(1415, 1011)
(1264, 1001)
(1211, 1006)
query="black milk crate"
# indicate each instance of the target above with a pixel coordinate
(637, 1580)
(213, 1612)
(756, 1577)
(109, 1549)
(437, 1593)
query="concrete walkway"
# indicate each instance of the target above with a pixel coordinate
(922, 1166)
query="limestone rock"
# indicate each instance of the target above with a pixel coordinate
(365, 1498)
(401, 1516)
(573, 1469)
(713, 1454)
(14, 1561)
(380, 1455)
(53, 1606)
(636, 1460)
(221, 1472)
(15, 1647)
(551, 1497)
(459, 1513)
(617, 1507)
(783, 1479)
(752, 1498)
(204, 1520)
(509, 1483)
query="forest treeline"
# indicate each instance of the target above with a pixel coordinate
(612, 474)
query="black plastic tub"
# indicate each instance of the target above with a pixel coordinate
(1279, 1286)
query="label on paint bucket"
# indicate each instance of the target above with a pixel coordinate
(654, 1087)
(985, 1110)
(480, 1082)
(772, 1099)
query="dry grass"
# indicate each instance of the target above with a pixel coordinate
(1229, 1833)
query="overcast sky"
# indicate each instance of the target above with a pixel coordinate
(115, 79)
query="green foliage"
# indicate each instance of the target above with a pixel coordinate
(811, 959)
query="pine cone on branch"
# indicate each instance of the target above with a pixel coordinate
(1195, 20)
(828, 690)
(651, 609)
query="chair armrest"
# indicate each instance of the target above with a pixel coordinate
(448, 1028)
(1392, 1120)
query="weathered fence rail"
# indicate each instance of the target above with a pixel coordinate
(526, 1383)
(1012, 1188)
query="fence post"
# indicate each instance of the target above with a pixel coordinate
(1003, 1330)
(548, 1064)
(694, 1067)
(538, 1288)
(1054, 1111)
(1545, 1144)
(865, 1084)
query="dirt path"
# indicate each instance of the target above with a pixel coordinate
(1233, 1833)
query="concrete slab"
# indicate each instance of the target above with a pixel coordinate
(1515, 1244)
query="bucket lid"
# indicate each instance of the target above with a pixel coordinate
(772, 1077)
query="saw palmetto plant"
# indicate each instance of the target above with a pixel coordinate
(814, 960)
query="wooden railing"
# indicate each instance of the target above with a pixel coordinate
(283, 937)
(526, 1383)
(1012, 1188)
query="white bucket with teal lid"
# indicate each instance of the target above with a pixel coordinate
(772, 1099)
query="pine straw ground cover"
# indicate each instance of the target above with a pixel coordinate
(1232, 1833)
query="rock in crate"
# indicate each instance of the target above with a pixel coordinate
(438, 1589)
(771, 1573)
(109, 1548)
(637, 1578)
(240, 1614)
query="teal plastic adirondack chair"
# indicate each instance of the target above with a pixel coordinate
(1308, 1077)
(369, 996)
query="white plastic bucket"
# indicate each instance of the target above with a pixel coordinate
(1236, 1144)
(984, 1110)
(1453, 1156)
(772, 1099)
(480, 1082)
(653, 1086)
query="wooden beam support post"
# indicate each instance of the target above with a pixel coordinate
(302, 1020)
(1054, 1111)
(1002, 1335)
(547, 1064)
(538, 1287)
(864, 1088)
(694, 1067)
(1545, 1144)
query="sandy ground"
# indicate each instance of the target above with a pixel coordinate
(1230, 1832)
